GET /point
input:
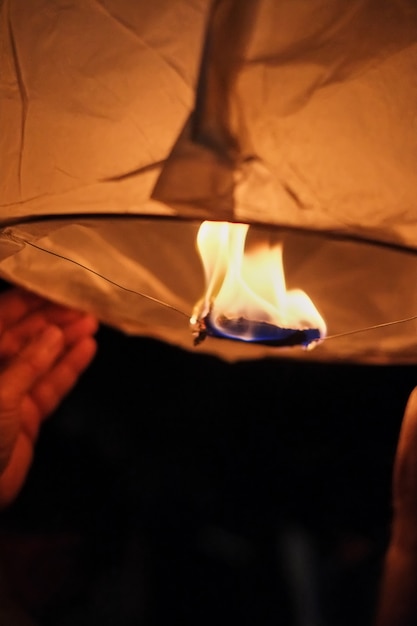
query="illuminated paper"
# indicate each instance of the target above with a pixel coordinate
(126, 123)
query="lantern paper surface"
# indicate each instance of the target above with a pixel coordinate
(124, 124)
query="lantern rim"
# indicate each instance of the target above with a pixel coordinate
(149, 217)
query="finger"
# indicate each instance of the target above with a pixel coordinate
(15, 304)
(84, 326)
(50, 390)
(39, 370)
(46, 395)
(405, 479)
(33, 362)
(17, 380)
(16, 336)
(74, 323)
(62, 316)
(13, 477)
(397, 606)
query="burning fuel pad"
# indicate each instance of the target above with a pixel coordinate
(246, 297)
(253, 332)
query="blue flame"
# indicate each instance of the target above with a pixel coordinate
(241, 329)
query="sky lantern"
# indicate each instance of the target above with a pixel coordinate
(236, 178)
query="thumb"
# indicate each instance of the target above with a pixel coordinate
(397, 603)
(405, 480)
(17, 380)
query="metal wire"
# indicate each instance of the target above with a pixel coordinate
(176, 310)
(109, 280)
(374, 327)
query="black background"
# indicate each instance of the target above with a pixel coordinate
(172, 488)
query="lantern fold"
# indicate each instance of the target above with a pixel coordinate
(125, 124)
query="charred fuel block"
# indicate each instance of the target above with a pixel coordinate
(250, 331)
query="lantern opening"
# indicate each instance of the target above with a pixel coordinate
(246, 297)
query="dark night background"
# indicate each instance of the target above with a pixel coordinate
(172, 488)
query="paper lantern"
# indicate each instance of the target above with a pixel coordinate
(125, 124)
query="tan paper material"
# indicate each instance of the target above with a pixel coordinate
(124, 123)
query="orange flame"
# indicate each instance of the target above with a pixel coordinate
(248, 285)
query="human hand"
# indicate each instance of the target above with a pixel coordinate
(398, 597)
(43, 350)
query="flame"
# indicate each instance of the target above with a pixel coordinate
(245, 290)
